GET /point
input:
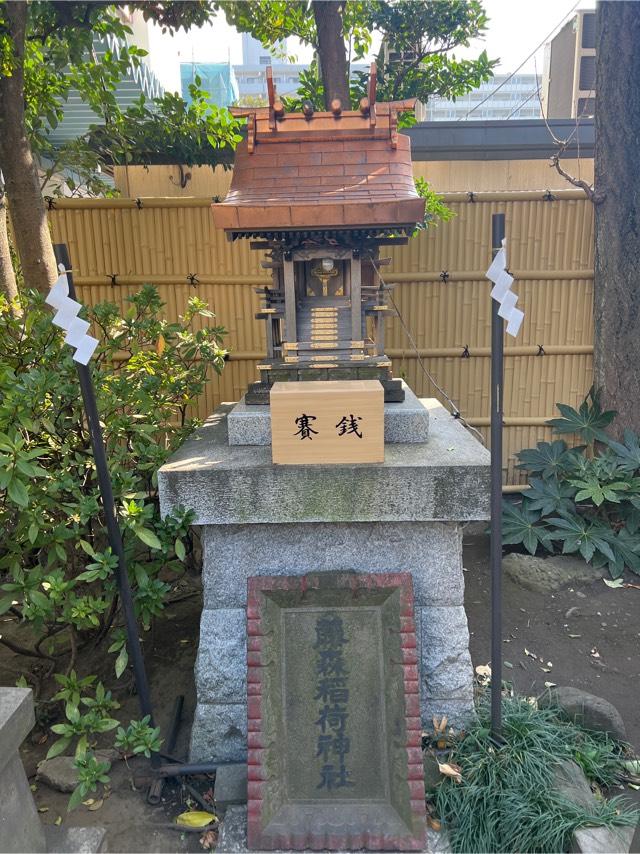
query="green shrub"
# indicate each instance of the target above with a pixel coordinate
(505, 800)
(584, 499)
(56, 567)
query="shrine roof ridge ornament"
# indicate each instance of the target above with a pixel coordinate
(344, 169)
(273, 124)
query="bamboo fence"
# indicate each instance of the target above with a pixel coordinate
(118, 244)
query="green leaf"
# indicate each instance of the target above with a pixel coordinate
(519, 526)
(33, 532)
(105, 724)
(5, 603)
(81, 747)
(549, 496)
(148, 537)
(121, 661)
(588, 421)
(77, 796)
(592, 490)
(40, 599)
(17, 492)
(88, 548)
(546, 459)
(58, 747)
(180, 550)
(628, 453)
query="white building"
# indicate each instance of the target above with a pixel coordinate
(517, 98)
(251, 77)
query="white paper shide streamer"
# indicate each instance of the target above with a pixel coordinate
(66, 317)
(502, 293)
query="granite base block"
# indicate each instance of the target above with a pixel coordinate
(233, 835)
(447, 671)
(459, 713)
(221, 672)
(231, 785)
(20, 827)
(405, 422)
(445, 479)
(430, 551)
(219, 733)
(75, 840)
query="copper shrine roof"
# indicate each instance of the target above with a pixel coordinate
(338, 169)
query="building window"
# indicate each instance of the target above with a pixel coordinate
(589, 31)
(587, 73)
(265, 60)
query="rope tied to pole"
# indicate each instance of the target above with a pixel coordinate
(453, 409)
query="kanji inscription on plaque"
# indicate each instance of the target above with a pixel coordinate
(321, 421)
(334, 730)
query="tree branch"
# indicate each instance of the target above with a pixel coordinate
(22, 650)
(590, 192)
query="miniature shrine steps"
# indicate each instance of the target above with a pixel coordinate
(324, 323)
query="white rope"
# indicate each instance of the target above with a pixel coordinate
(455, 412)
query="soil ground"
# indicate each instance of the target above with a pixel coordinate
(606, 622)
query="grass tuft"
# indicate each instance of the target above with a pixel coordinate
(506, 802)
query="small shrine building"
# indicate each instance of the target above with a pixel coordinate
(321, 192)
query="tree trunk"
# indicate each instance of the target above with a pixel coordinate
(332, 51)
(28, 212)
(8, 285)
(617, 216)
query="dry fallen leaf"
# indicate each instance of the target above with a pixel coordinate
(439, 726)
(96, 805)
(574, 636)
(483, 670)
(196, 818)
(549, 684)
(449, 769)
(43, 809)
(58, 821)
(88, 802)
(434, 824)
(530, 654)
(595, 653)
(209, 840)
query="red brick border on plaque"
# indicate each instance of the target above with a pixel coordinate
(277, 820)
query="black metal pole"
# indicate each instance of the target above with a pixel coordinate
(108, 503)
(497, 375)
(159, 768)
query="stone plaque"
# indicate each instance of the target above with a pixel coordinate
(334, 733)
(315, 423)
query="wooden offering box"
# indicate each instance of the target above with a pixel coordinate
(315, 423)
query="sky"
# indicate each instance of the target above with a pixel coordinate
(515, 29)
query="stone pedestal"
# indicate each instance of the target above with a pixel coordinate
(20, 827)
(403, 515)
(404, 422)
